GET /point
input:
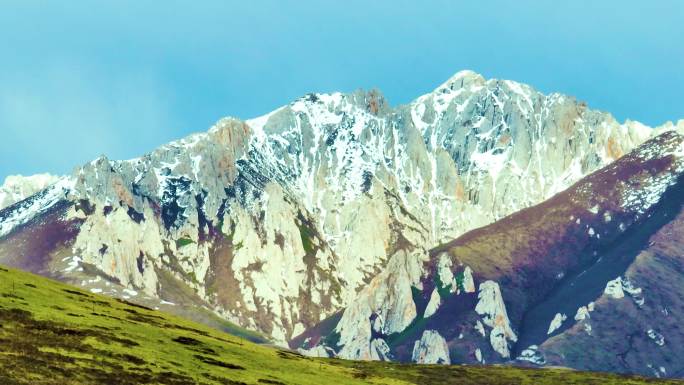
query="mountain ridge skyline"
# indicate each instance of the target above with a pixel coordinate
(676, 124)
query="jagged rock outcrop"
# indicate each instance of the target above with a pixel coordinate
(431, 349)
(384, 307)
(433, 304)
(492, 309)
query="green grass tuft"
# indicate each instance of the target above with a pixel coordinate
(307, 236)
(183, 242)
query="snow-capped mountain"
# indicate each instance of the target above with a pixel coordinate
(280, 222)
(17, 187)
(573, 281)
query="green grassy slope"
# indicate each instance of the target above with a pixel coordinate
(51, 333)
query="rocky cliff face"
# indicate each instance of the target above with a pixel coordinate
(17, 188)
(280, 222)
(545, 285)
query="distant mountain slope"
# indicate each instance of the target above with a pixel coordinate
(278, 222)
(17, 187)
(590, 279)
(52, 333)
(636, 321)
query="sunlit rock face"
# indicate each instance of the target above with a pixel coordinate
(491, 307)
(431, 349)
(279, 222)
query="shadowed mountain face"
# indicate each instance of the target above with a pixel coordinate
(317, 219)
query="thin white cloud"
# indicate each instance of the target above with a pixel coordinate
(63, 115)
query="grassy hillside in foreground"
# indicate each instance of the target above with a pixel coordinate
(51, 333)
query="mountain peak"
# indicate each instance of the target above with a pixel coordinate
(461, 79)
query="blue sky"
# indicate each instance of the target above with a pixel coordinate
(82, 78)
